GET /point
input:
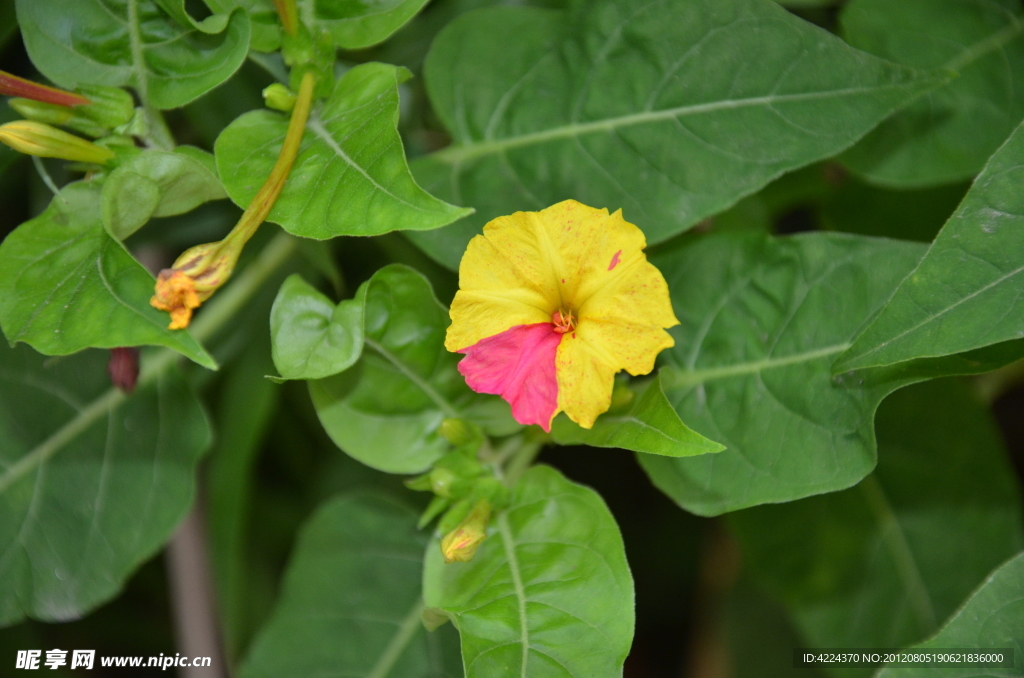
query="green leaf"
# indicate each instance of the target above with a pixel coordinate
(65, 285)
(646, 105)
(386, 409)
(948, 135)
(176, 8)
(312, 337)
(648, 424)
(351, 602)
(84, 502)
(883, 563)
(549, 591)
(350, 177)
(992, 617)
(157, 184)
(356, 25)
(264, 22)
(131, 42)
(762, 321)
(965, 293)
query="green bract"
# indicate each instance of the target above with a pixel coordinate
(135, 43)
(646, 105)
(350, 178)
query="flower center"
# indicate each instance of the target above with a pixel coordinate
(564, 321)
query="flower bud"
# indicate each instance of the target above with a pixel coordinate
(12, 85)
(461, 543)
(455, 431)
(36, 138)
(108, 107)
(279, 97)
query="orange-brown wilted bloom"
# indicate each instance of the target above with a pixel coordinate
(39, 139)
(202, 269)
(461, 543)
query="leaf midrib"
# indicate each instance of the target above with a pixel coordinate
(517, 583)
(675, 378)
(460, 153)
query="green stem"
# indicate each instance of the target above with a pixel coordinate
(289, 14)
(217, 314)
(406, 632)
(521, 461)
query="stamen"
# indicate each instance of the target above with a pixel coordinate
(564, 321)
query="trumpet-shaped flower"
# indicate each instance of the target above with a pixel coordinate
(551, 305)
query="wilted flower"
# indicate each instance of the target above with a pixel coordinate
(461, 543)
(551, 305)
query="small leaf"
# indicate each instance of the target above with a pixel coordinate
(157, 184)
(351, 601)
(386, 409)
(264, 22)
(948, 135)
(93, 482)
(965, 292)
(65, 285)
(350, 177)
(884, 563)
(91, 42)
(359, 25)
(992, 617)
(649, 425)
(312, 337)
(548, 594)
(651, 106)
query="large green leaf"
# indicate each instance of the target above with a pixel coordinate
(947, 135)
(356, 25)
(350, 177)
(884, 563)
(86, 497)
(130, 42)
(648, 105)
(157, 184)
(65, 285)
(762, 321)
(351, 602)
(648, 423)
(548, 593)
(992, 617)
(385, 410)
(965, 293)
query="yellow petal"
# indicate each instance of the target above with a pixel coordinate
(585, 379)
(499, 285)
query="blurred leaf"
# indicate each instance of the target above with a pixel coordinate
(266, 27)
(85, 498)
(648, 424)
(965, 293)
(385, 410)
(351, 601)
(762, 321)
(356, 25)
(992, 617)
(157, 184)
(883, 563)
(246, 406)
(131, 42)
(312, 337)
(176, 8)
(948, 135)
(350, 178)
(548, 593)
(649, 106)
(65, 285)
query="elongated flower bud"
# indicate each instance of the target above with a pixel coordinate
(36, 138)
(461, 543)
(12, 85)
(54, 114)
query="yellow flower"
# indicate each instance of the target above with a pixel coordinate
(551, 305)
(194, 277)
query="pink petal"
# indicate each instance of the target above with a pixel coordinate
(519, 365)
